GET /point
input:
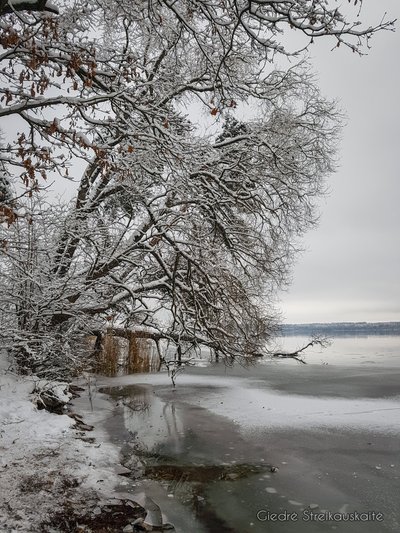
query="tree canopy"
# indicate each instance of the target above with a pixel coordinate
(173, 233)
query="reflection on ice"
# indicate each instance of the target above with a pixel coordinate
(147, 415)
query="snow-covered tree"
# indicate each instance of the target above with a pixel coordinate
(172, 233)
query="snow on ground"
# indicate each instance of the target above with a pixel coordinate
(45, 466)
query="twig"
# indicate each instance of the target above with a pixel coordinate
(320, 341)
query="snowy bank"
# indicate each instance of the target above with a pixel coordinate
(51, 468)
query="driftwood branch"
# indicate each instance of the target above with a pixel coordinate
(315, 341)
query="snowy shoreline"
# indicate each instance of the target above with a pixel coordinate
(50, 466)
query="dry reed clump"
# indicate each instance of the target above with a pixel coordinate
(110, 355)
(127, 355)
(140, 356)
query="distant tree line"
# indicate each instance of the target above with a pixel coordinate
(341, 328)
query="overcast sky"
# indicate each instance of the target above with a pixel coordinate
(350, 271)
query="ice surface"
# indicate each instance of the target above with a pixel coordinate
(253, 405)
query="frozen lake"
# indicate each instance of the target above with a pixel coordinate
(381, 350)
(331, 428)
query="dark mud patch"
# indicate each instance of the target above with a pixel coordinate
(200, 473)
(106, 519)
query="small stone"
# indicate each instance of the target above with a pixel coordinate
(274, 469)
(128, 529)
(85, 427)
(313, 506)
(131, 504)
(378, 467)
(135, 466)
(122, 470)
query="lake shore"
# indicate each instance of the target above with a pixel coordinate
(330, 432)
